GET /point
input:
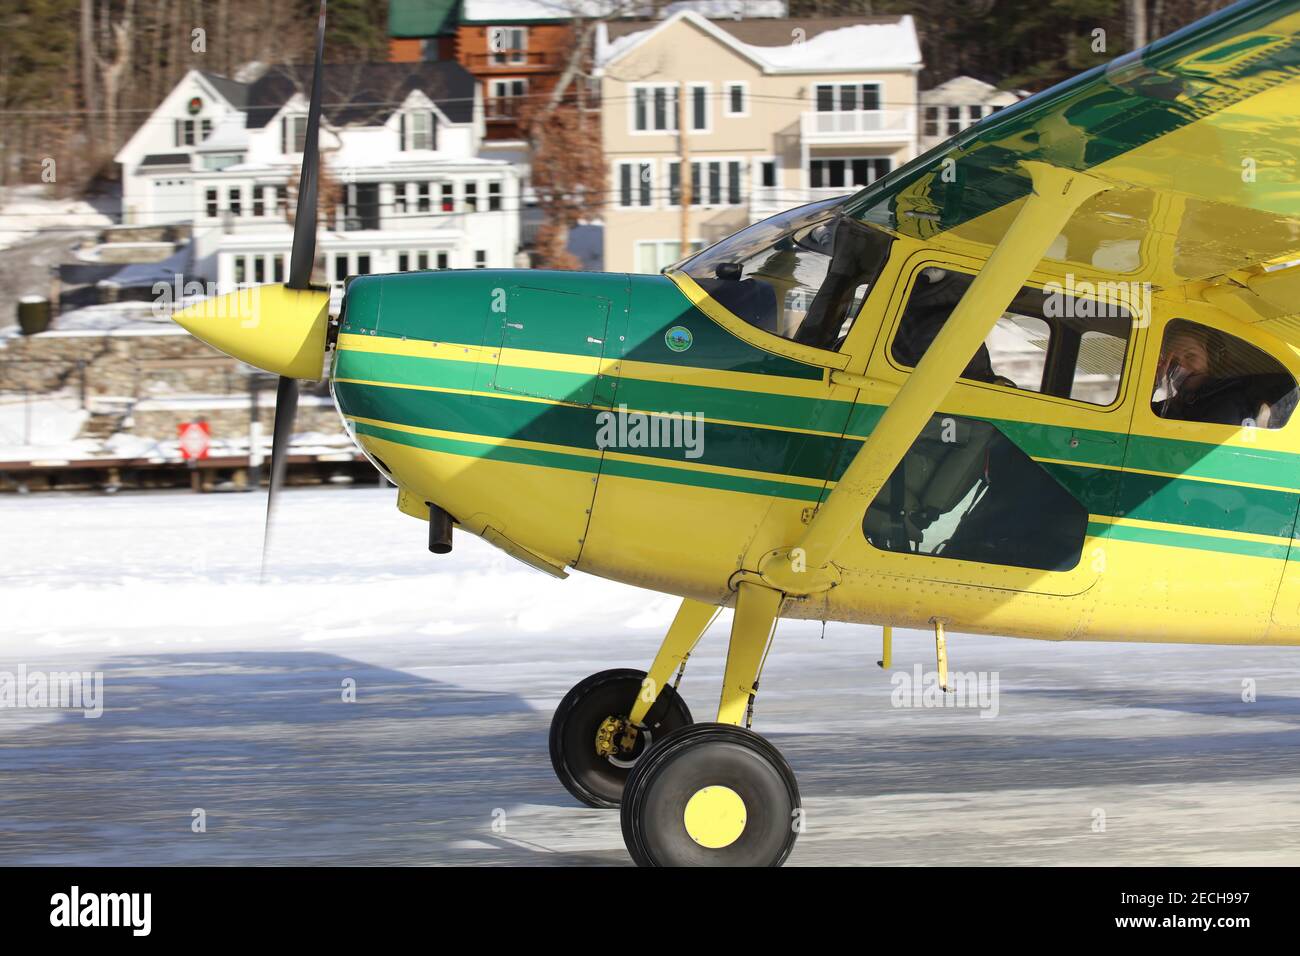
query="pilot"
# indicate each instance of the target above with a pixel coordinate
(1193, 375)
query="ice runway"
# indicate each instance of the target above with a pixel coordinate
(227, 697)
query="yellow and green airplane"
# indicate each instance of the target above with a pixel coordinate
(1038, 382)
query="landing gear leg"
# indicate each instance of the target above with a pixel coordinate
(605, 723)
(718, 794)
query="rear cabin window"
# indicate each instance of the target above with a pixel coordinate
(1047, 341)
(1204, 375)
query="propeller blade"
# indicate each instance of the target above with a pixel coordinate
(303, 257)
(286, 410)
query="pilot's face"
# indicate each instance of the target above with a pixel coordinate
(1188, 352)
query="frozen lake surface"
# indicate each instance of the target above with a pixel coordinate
(226, 696)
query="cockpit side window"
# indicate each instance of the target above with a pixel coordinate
(802, 275)
(1204, 375)
(1048, 340)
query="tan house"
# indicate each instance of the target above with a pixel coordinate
(777, 113)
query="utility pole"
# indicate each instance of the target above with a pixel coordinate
(684, 170)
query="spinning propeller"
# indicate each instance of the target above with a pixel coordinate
(279, 328)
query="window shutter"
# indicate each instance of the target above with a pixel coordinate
(176, 132)
(433, 130)
(401, 131)
(284, 134)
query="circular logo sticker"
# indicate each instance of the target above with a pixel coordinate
(678, 338)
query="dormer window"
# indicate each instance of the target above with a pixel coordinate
(293, 134)
(418, 129)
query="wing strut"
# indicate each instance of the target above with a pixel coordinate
(1057, 193)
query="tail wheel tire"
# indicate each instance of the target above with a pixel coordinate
(594, 778)
(711, 795)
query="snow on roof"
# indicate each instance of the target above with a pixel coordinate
(505, 11)
(229, 134)
(876, 45)
(884, 43)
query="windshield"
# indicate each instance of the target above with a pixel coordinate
(802, 275)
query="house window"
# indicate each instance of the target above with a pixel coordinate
(184, 132)
(713, 183)
(635, 183)
(442, 260)
(422, 197)
(737, 100)
(846, 173)
(282, 198)
(234, 200)
(422, 261)
(506, 99)
(399, 198)
(241, 270)
(340, 267)
(767, 173)
(508, 46)
(277, 268)
(293, 133)
(448, 198)
(210, 197)
(205, 128)
(259, 269)
(699, 107)
(954, 120)
(480, 258)
(654, 108)
(976, 113)
(931, 121)
(471, 197)
(847, 97)
(363, 263)
(403, 262)
(418, 130)
(259, 204)
(494, 196)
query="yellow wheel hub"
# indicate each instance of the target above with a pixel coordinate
(715, 817)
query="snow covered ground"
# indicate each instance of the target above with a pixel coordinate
(224, 695)
(26, 210)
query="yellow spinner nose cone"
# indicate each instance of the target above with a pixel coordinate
(276, 329)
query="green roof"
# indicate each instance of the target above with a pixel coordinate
(421, 18)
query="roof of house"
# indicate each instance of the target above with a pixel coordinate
(353, 93)
(762, 32)
(838, 44)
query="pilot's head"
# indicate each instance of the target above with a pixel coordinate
(1188, 348)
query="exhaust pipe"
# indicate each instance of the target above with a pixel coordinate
(439, 529)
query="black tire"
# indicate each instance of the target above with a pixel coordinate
(595, 780)
(711, 755)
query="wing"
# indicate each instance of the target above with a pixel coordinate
(1199, 134)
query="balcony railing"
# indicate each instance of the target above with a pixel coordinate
(859, 126)
(513, 61)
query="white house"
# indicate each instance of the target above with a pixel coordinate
(402, 141)
(961, 102)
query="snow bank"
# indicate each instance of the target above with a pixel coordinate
(26, 210)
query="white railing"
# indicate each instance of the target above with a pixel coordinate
(859, 126)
